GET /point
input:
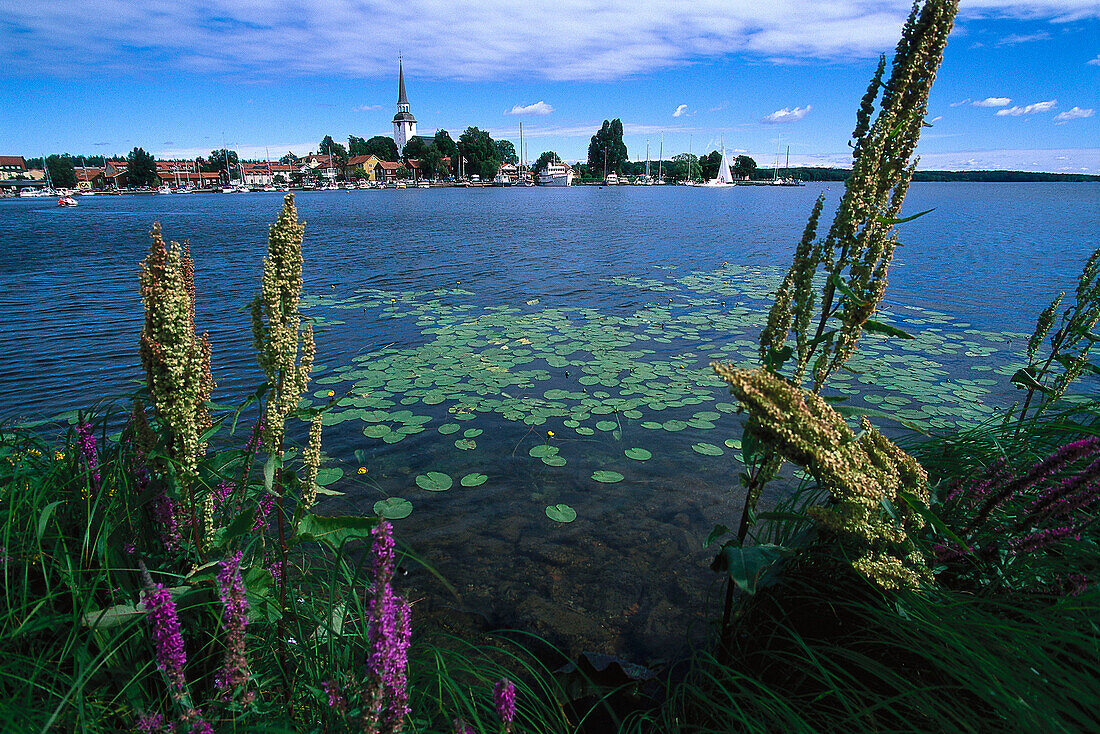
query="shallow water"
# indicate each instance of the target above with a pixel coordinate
(459, 326)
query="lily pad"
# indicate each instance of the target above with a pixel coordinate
(706, 449)
(607, 425)
(434, 481)
(466, 444)
(674, 425)
(473, 480)
(561, 513)
(448, 428)
(542, 450)
(472, 432)
(554, 460)
(607, 477)
(638, 454)
(376, 431)
(328, 475)
(393, 508)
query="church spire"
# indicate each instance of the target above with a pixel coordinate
(402, 100)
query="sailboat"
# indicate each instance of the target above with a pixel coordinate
(725, 173)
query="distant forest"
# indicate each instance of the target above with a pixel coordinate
(841, 174)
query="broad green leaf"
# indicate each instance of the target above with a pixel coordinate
(434, 481)
(334, 531)
(638, 454)
(561, 513)
(473, 480)
(607, 477)
(747, 566)
(393, 508)
(880, 328)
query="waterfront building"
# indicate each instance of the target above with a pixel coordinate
(366, 162)
(404, 124)
(89, 178)
(115, 174)
(12, 166)
(324, 166)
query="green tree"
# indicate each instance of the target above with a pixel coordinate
(383, 147)
(743, 166)
(62, 171)
(507, 152)
(288, 159)
(141, 168)
(357, 146)
(445, 144)
(415, 149)
(685, 166)
(216, 161)
(431, 162)
(709, 164)
(608, 140)
(331, 147)
(544, 159)
(480, 152)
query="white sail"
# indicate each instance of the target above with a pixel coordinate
(725, 175)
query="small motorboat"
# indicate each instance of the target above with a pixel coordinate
(66, 201)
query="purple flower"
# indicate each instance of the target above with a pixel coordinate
(461, 727)
(504, 699)
(130, 548)
(335, 697)
(164, 512)
(389, 638)
(257, 431)
(263, 509)
(223, 492)
(234, 672)
(160, 613)
(276, 569)
(88, 451)
(152, 723)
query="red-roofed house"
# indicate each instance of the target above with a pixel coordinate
(12, 166)
(264, 173)
(88, 178)
(386, 171)
(324, 166)
(115, 174)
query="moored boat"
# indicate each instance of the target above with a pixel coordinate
(556, 174)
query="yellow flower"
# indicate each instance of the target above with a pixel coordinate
(362, 470)
(331, 393)
(58, 455)
(550, 434)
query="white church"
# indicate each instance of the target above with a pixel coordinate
(404, 124)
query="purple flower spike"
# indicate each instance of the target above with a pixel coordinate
(389, 640)
(234, 671)
(263, 509)
(88, 451)
(160, 613)
(504, 699)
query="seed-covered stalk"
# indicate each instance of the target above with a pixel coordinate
(176, 361)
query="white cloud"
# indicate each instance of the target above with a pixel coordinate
(1055, 160)
(367, 108)
(538, 108)
(787, 115)
(935, 119)
(567, 40)
(1074, 113)
(960, 104)
(1016, 38)
(993, 102)
(680, 111)
(1031, 109)
(1094, 62)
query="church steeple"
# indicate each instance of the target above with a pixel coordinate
(402, 100)
(404, 124)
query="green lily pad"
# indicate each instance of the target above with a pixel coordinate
(652, 425)
(706, 449)
(585, 431)
(393, 508)
(543, 449)
(561, 513)
(328, 475)
(607, 425)
(376, 431)
(473, 480)
(674, 425)
(638, 454)
(447, 428)
(554, 460)
(607, 477)
(466, 444)
(434, 481)
(472, 432)
(393, 437)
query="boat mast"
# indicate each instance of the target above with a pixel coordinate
(647, 159)
(661, 158)
(778, 145)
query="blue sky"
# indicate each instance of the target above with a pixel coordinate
(1018, 88)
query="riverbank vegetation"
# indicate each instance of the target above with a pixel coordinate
(168, 565)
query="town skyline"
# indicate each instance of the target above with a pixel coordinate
(1018, 88)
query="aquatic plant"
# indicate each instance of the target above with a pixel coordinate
(1069, 345)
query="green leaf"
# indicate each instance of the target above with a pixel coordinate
(706, 449)
(933, 519)
(434, 481)
(638, 454)
(888, 220)
(329, 475)
(715, 534)
(775, 358)
(561, 513)
(473, 480)
(747, 566)
(841, 286)
(334, 531)
(607, 477)
(44, 517)
(1024, 378)
(880, 328)
(241, 524)
(393, 508)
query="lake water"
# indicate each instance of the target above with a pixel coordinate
(459, 326)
